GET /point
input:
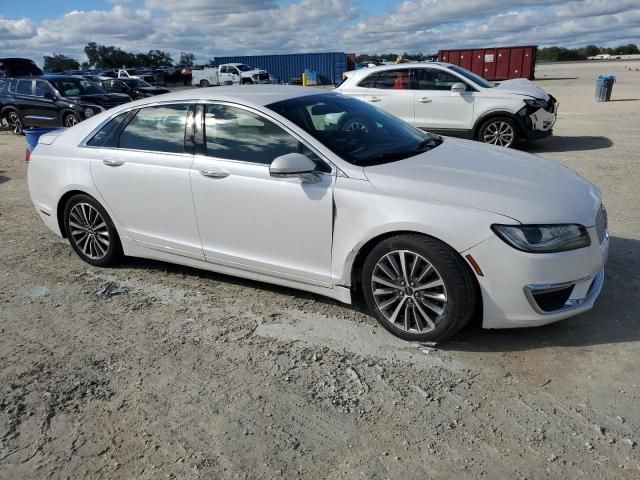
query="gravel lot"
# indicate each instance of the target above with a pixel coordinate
(196, 375)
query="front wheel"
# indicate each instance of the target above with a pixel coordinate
(71, 119)
(91, 232)
(418, 288)
(501, 131)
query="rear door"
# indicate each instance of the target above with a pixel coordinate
(142, 173)
(436, 107)
(47, 109)
(392, 92)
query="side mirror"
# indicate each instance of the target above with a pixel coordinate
(458, 88)
(291, 164)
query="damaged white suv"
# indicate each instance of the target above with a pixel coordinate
(451, 100)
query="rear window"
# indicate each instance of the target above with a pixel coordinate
(157, 129)
(107, 135)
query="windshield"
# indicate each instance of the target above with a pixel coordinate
(72, 87)
(357, 132)
(477, 79)
(243, 68)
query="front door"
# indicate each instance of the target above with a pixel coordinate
(436, 106)
(143, 176)
(249, 220)
(391, 91)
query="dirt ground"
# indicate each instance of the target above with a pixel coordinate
(196, 375)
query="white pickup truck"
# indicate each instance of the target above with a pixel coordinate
(228, 74)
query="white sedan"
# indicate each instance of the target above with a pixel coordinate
(269, 184)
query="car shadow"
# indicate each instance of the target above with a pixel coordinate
(625, 100)
(615, 317)
(558, 143)
(3, 179)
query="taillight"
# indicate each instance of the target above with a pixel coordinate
(28, 155)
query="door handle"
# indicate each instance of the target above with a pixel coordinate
(113, 162)
(374, 99)
(425, 100)
(214, 172)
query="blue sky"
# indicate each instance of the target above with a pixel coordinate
(33, 28)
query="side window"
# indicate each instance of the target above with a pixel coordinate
(235, 134)
(157, 129)
(42, 87)
(393, 79)
(369, 81)
(430, 79)
(223, 69)
(24, 87)
(106, 136)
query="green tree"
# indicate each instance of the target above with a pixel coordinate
(60, 63)
(187, 59)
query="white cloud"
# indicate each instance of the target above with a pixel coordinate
(222, 27)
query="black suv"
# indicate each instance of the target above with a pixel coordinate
(18, 67)
(52, 100)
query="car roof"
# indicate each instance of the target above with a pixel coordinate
(395, 66)
(247, 94)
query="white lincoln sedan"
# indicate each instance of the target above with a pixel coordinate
(270, 184)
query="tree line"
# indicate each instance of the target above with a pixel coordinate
(108, 56)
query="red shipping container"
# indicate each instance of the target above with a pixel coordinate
(495, 63)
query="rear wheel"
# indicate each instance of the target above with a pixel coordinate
(204, 83)
(418, 288)
(71, 119)
(91, 232)
(14, 122)
(501, 131)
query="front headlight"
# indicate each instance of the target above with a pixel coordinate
(88, 112)
(543, 238)
(536, 103)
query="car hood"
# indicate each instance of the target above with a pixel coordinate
(524, 187)
(152, 90)
(102, 99)
(255, 71)
(522, 86)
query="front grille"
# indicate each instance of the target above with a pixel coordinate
(550, 300)
(601, 223)
(263, 76)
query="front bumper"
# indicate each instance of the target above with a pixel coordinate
(539, 124)
(522, 289)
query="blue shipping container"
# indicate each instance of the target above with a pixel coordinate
(286, 67)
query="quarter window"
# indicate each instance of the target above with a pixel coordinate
(235, 134)
(24, 87)
(107, 135)
(157, 129)
(368, 82)
(430, 79)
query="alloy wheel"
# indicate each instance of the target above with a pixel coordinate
(499, 133)
(409, 291)
(88, 231)
(70, 121)
(15, 123)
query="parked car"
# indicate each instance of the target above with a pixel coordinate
(52, 100)
(451, 100)
(266, 184)
(18, 67)
(133, 87)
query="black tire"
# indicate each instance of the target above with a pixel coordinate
(204, 84)
(497, 130)
(458, 289)
(247, 81)
(70, 119)
(356, 124)
(14, 122)
(113, 252)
